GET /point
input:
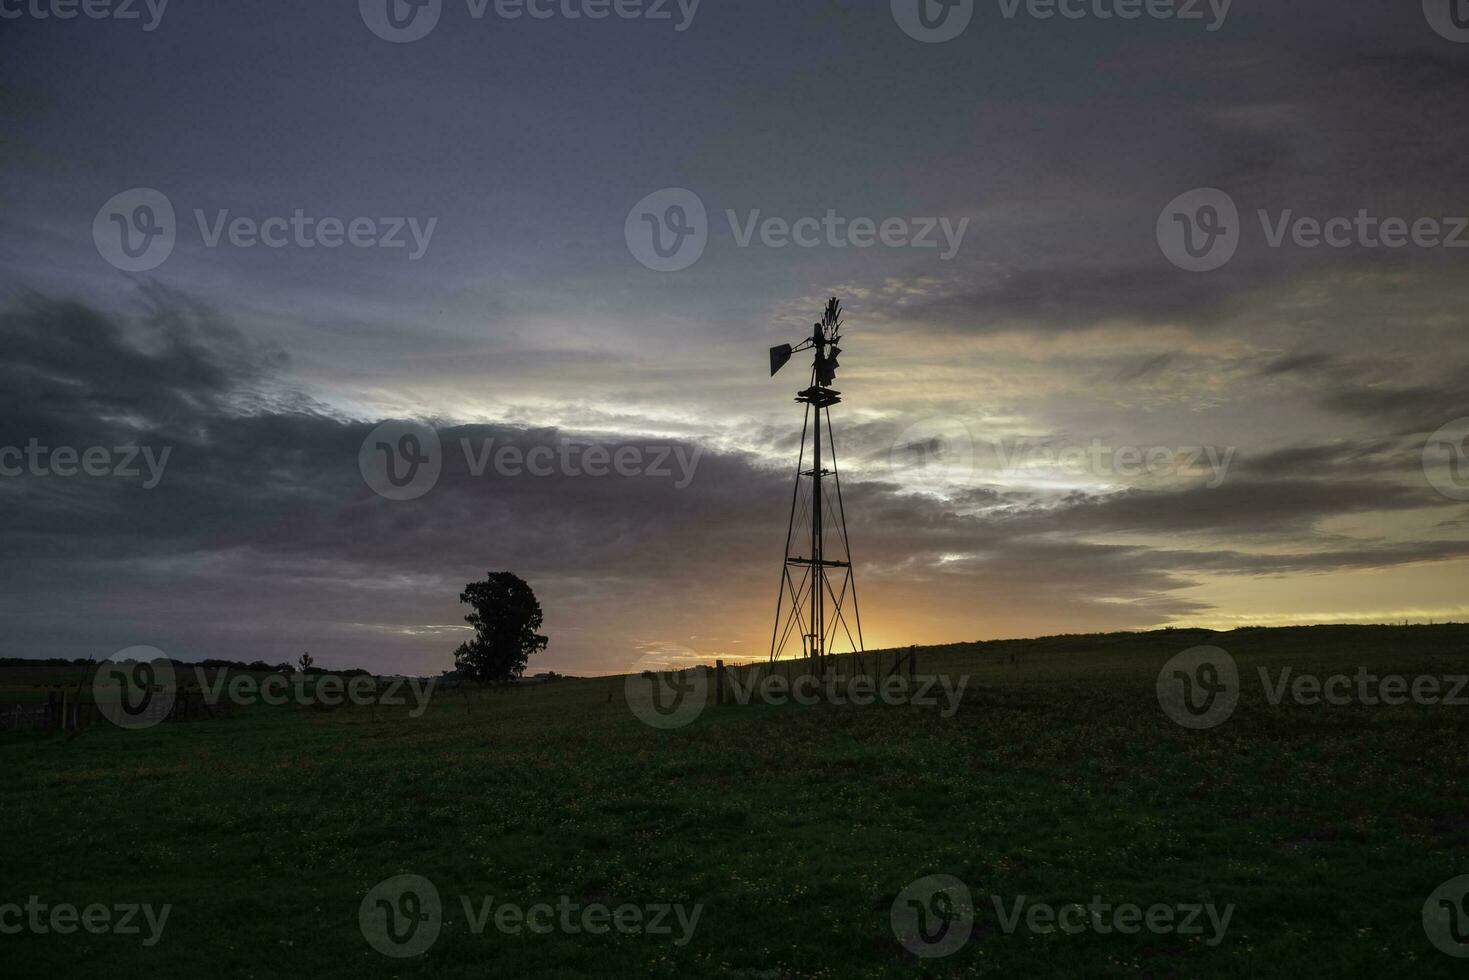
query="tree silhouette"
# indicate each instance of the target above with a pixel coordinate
(505, 619)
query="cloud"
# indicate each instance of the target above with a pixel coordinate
(1303, 362)
(1413, 408)
(263, 540)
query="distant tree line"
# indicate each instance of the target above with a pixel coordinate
(256, 666)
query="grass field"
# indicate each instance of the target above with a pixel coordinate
(792, 828)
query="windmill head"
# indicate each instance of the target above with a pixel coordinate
(824, 334)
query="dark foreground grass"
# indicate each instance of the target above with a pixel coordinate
(1058, 779)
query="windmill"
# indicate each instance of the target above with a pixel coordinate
(817, 589)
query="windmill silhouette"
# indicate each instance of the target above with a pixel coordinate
(817, 589)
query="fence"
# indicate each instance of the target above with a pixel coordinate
(65, 711)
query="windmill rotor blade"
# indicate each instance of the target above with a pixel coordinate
(778, 357)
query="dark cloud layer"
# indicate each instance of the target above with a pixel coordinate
(262, 535)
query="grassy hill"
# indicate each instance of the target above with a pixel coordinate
(792, 828)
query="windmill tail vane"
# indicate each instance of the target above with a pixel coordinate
(816, 610)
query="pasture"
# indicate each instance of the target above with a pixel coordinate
(791, 829)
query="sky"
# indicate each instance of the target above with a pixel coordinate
(1155, 316)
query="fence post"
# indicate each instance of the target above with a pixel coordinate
(912, 663)
(719, 682)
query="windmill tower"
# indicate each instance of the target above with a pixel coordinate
(817, 588)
